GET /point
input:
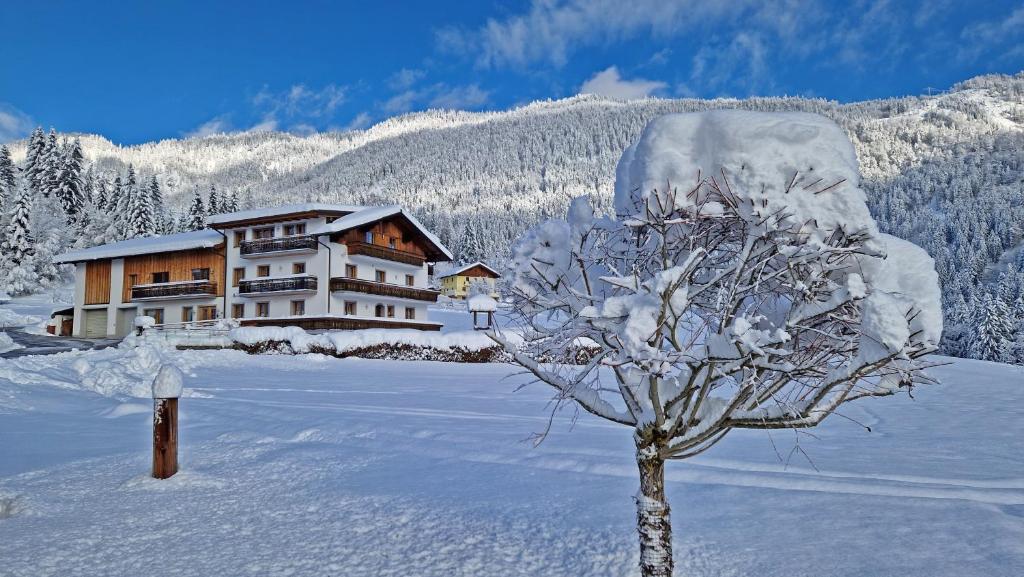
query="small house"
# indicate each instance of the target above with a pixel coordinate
(456, 283)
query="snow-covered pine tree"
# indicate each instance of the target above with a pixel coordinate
(140, 221)
(213, 207)
(34, 156)
(8, 183)
(196, 217)
(101, 195)
(17, 268)
(51, 160)
(230, 202)
(68, 185)
(993, 330)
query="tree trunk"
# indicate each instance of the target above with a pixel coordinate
(652, 515)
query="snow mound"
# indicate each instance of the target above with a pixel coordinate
(343, 341)
(787, 159)
(10, 318)
(7, 344)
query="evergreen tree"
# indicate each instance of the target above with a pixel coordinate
(100, 197)
(7, 177)
(214, 206)
(68, 185)
(34, 160)
(140, 221)
(230, 202)
(993, 330)
(51, 160)
(196, 218)
(17, 269)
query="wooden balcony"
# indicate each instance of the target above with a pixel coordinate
(383, 289)
(385, 253)
(297, 284)
(174, 290)
(271, 246)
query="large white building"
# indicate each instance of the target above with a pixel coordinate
(313, 265)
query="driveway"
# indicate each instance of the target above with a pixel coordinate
(48, 345)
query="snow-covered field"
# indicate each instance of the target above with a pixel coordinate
(307, 465)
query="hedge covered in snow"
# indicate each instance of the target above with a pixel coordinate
(412, 345)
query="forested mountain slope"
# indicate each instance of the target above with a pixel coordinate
(946, 171)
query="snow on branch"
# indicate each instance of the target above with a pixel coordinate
(743, 284)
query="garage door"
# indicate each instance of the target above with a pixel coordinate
(96, 323)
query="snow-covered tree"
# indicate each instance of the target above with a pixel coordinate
(743, 285)
(34, 160)
(213, 207)
(17, 267)
(8, 182)
(230, 202)
(196, 218)
(69, 186)
(140, 220)
(993, 330)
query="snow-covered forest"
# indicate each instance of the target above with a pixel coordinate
(944, 171)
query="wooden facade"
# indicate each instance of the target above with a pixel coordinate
(479, 271)
(97, 282)
(178, 265)
(387, 232)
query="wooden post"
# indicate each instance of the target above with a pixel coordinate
(165, 438)
(167, 387)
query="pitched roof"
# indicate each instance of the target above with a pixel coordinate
(281, 211)
(371, 215)
(471, 265)
(205, 238)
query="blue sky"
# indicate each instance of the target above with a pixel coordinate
(140, 71)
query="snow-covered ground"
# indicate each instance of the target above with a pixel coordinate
(307, 465)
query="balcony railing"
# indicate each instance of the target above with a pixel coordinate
(383, 252)
(262, 246)
(383, 289)
(174, 290)
(277, 285)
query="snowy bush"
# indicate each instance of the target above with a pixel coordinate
(743, 284)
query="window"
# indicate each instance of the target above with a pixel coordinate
(298, 308)
(263, 270)
(157, 314)
(378, 311)
(294, 229)
(239, 238)
(207, 313)
(331, 219)
(391, 311)
(133, 279)
(159, 277)
(263, 232)
(351, 271)
(410, 313)
(410, 280)
(200, 274)
(238, 311)
(369, 236)
(298, 268)
(237, 275)
(392, 242)
(380, 276)
(188, 314)
(350, 307)
(263, 309)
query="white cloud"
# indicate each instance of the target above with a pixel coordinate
(459, 97)
(14, 124)
(301, 101)
(361, 121)
(405, 78)
(213, 126)
(402, 102)
(977, 37)
(609, 83)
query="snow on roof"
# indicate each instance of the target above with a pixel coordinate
(282, 210)
(469, 266)
(370, 215)
(146, 245)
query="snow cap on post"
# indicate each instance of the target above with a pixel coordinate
(144, 322)
(168, 383)
(482, 303)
